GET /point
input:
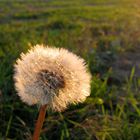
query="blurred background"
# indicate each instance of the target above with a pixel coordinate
(106, 33)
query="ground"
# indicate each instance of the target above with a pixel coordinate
(106, 34)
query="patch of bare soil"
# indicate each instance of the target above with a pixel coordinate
(125, 62)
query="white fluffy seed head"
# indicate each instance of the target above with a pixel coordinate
(52, 76)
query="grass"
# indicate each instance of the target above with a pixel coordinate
(96, 30)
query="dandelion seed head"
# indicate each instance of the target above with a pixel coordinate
(52, 76)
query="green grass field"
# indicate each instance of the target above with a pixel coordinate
(106, 34)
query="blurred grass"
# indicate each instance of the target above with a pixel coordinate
(96, 30)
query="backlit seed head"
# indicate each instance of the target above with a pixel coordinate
(52, 76)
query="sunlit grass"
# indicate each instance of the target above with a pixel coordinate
(97, 30)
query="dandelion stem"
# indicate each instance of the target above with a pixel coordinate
(39, 122)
